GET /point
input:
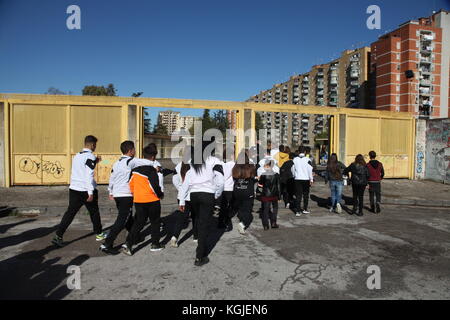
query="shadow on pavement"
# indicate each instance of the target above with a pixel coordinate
(30, 275)
(6, 227)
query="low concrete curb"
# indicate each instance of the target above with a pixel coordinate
(418, 203)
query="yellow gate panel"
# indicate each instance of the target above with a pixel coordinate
(362, 135)
(55, 169)
(103, 122)
(39, 129)
(401, 166)
(27, 169)
(388, 165)
(103, 168)
(395, 136)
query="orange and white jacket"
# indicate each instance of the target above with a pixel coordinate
(144, 185)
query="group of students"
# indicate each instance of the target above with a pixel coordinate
(203, 183)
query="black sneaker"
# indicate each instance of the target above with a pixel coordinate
(58, 241)
(108, 250)
(275, 226)
(378, 210)
(200, 262)
(156, 247)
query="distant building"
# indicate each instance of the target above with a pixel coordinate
(410, 67)
(343, 82)
(169, 119)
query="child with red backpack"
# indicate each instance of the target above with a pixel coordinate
(376, 172)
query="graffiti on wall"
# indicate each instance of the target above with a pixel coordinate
(420, 157)
(438, 150)
(33, 167)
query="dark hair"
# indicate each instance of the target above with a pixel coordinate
(281, 148)
(184, 169)
(287, 150)
(243, 171)
(332, 166)
(359, 159)
(291, 155)
(372, 154)
(150, 151)
(126, 146)
(301, 149)
(198, 167)
(308, 150)
(90, 139)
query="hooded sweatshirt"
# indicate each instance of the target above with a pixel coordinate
(281, 158)
(376, 171)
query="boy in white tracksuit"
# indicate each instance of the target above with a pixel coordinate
(302, 171)
(82, 191)
(119, 191)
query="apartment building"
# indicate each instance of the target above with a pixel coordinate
(343, 82)
(410, 67)
(169, 119)
(186, 122)
(173, 121)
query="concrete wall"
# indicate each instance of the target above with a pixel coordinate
(2, 146)
(438, 150)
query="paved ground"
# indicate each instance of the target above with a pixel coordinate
(320, 256)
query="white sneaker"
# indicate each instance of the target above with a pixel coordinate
(339, 208)
(331, 210)
(298, 214)
(288, 205)
(195, 240)
(241, 228)
(173, 242)
(306, 212)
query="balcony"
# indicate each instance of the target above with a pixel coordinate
(333, 80)
(354, 59)
(427, 37)
(354, 74)
(305, 121)
(333, 68)
(333, 103)
(425, 60)
(320, 74)
(320, 93)
(305, 116)
(320, 85)
(305, 91)
(425, 82)
(354, 83)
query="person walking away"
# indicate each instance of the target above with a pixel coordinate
(334, 175)
(269, 182)
(244, 176)
(302, 171)
(376, 174)
(183, 217)
(359, 179)
(119, 191)
(147, 194)
(287, 183)
(282, 156)
(82, 191)
(205, 182)
(226, 210)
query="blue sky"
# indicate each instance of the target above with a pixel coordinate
(221, 50)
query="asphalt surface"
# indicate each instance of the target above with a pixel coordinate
(317, 256)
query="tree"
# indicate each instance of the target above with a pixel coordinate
(207, 122)
(93, 90)
(220, 121)
(147, 121)
(53, 90)
(137, 94)
(160, 128)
